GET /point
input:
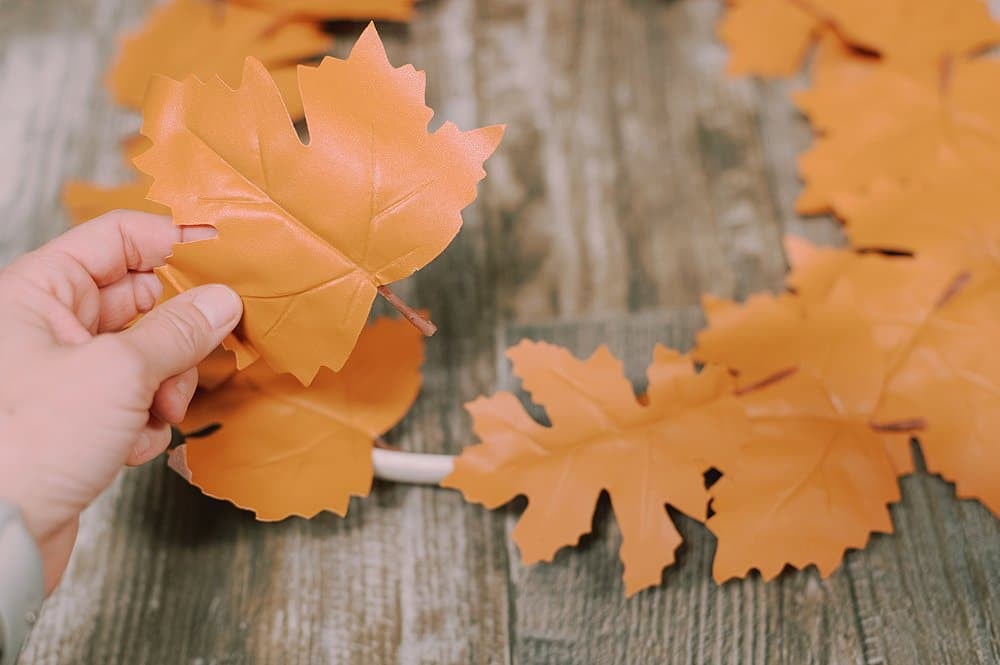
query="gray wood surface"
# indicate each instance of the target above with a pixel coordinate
(634, 177)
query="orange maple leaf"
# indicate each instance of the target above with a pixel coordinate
(836, 63)
(951, 376)
(392, 10)
(940, 329)
(644, 454)
(84, 201)
(813, 481)
(895, 294)
(216, 369)
(308, 233)
(772, 37)
(287, 450)
(953, 219)
(815, 476)
(757, 340)
(765, 337)
(208, 39)
(908, 126)
(767, 37)
(913, 31)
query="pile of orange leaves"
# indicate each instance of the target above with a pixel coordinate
(805, 401)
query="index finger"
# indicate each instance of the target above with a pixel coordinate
(114, 244)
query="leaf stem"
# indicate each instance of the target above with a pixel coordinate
(903, 426)
(413, 316)
(953, 289)
(767, 381)
(947, 69)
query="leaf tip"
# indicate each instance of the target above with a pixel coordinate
(489, 139)
(369, 44)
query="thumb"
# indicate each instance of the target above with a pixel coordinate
(180, 333)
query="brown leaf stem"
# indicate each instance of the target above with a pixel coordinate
(953, 289)
(413, 316)
(947, 69)
(900, 425)
(763, 383)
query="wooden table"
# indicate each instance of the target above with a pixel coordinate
(634, 177)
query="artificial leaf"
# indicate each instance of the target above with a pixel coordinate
(307, 233)
(939, 328)
(902, 125)
(287, 450)
(837, 63)
(769, 338)
(815, 477)
(392, 10)
(895, 294)
(216, 369)
(767, 37)
(951, 376)
(757, 340)
(771, 37)
(208, 39)
(644, 454)
(812, 482)
(951, 219)
(132, 146)
(84, 201)
(763, 337)
(913, 31)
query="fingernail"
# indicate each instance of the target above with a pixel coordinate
(220, 305)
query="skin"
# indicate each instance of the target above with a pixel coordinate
(82, 393)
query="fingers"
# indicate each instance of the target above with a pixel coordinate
(110, 246)
(180, 333)
(152, 441)
(121, 302)
(171, 401)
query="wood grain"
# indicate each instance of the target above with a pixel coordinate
(634, 176)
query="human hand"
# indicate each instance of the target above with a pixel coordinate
(80, 395)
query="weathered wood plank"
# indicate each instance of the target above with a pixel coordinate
(634, 177)
(633, 186)
(59, 121)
